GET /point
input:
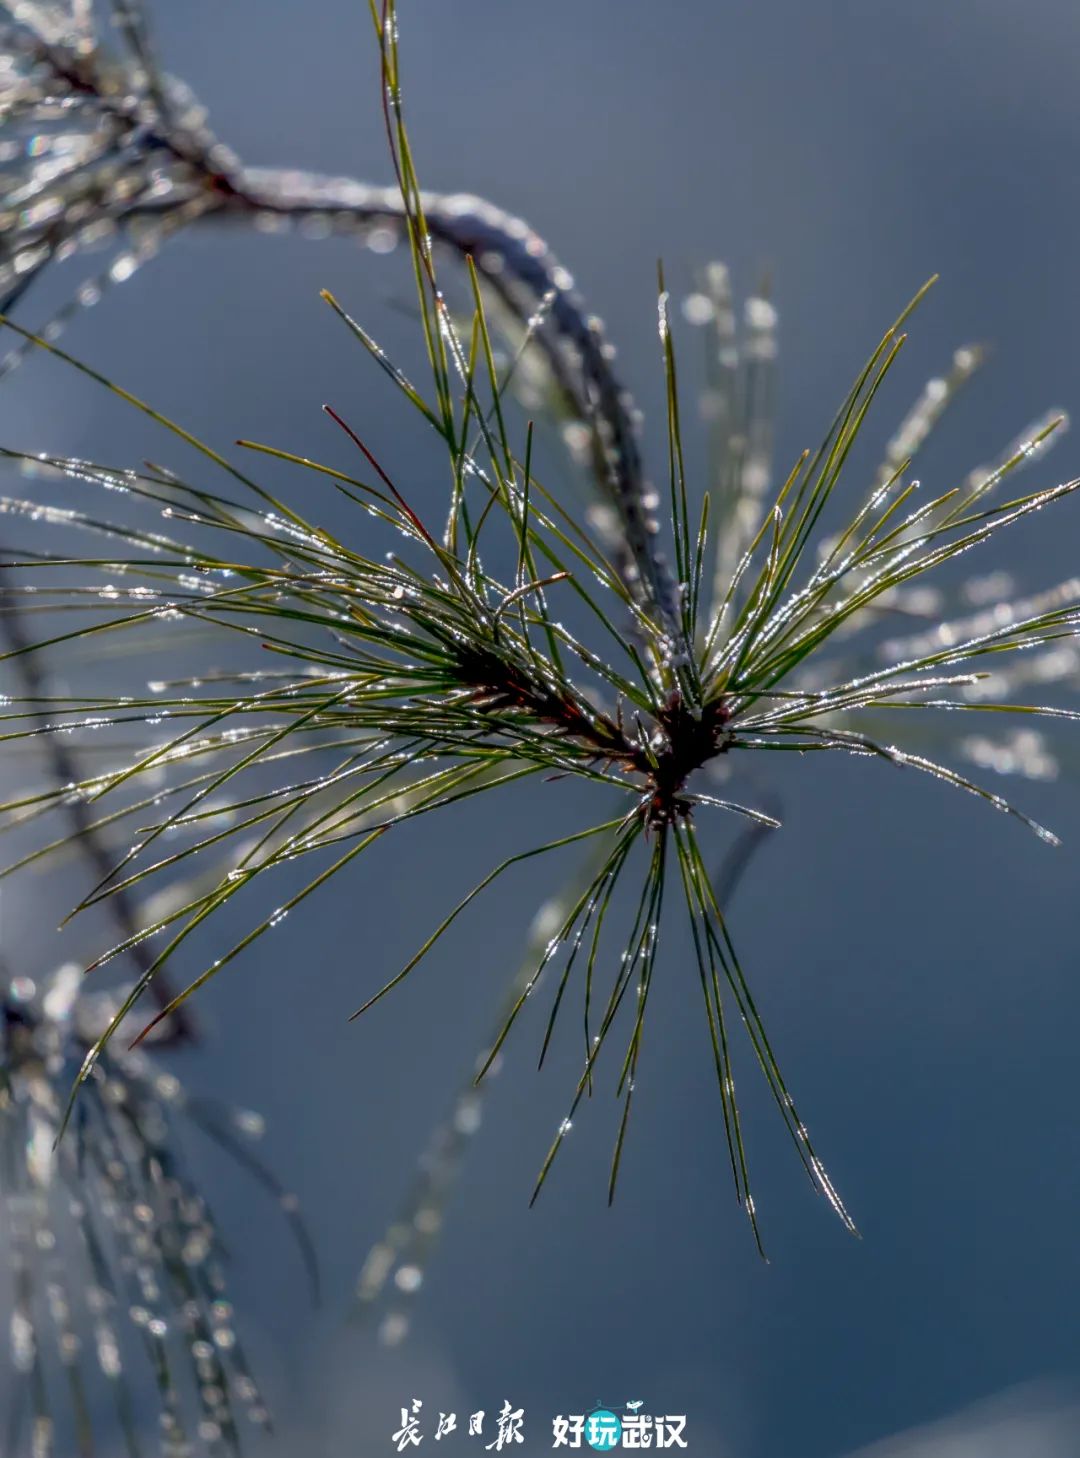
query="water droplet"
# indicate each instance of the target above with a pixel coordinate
(409, 1278)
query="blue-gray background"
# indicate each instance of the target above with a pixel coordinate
(914, 953)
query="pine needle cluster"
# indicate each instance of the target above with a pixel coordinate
(420, 663)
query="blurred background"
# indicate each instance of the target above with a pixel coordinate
(914, 954)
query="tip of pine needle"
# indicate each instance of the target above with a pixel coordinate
(151, 1025)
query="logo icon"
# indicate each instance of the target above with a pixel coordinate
(603, 1430)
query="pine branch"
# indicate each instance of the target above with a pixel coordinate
(409, 681)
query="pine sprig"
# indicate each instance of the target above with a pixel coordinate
(409, 681)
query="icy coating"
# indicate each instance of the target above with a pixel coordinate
(96, 141)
